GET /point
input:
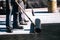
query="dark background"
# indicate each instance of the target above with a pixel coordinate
(29, 4)
(40, 3)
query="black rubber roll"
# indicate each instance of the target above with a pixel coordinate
(38, 25)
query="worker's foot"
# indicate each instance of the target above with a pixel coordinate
(18, 27)
(23, 23)
(26, 20)
(9, 29)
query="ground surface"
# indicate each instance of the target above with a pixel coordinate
(48, 31)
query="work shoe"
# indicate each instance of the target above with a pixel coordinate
(9, 29)
(18, 27)
(23, 23)
(26, 20)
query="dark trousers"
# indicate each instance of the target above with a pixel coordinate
(8, 15)
(16, 15)
(15, 19)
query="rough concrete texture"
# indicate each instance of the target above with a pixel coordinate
(49, 32)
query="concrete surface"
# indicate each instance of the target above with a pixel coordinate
(50, 28)
(48, 32)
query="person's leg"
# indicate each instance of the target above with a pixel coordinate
(16, 20)
(14, 11)
(8, 23)
(20, 18)
(22, 15)
(8, 18)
